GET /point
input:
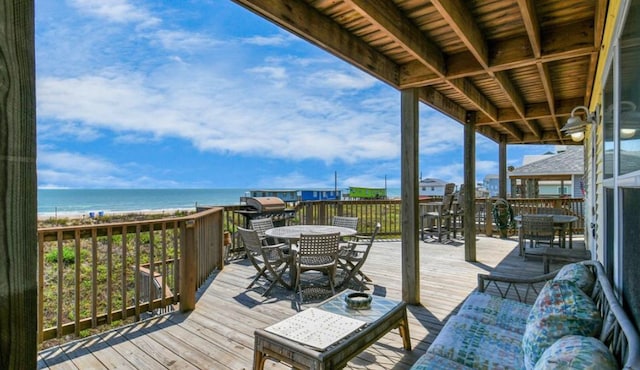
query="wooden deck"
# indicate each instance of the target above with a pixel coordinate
(218, 334)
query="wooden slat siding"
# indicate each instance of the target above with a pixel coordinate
(225, 340)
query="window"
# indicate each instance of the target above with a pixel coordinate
(629, 105)
(607, 125)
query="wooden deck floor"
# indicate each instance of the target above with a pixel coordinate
(218, 334)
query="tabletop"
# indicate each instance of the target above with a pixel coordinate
(557, 219)
(293, 232)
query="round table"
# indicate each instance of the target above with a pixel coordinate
(562, 221)
(292, 233)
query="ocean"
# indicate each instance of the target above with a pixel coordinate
(68, 202)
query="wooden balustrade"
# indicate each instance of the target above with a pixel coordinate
(387, 212)
(97, 274)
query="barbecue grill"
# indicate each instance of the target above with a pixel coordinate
(262, 207)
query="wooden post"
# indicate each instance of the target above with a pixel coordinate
(502, 170)
(409, 188)
(488, 219)
(18, 188)
(470, 186)
(188, 266)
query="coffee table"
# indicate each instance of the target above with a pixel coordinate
(383, 316)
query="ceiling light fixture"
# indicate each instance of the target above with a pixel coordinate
(575, 125)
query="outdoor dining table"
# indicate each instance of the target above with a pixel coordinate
(561, 221)
(292, 233)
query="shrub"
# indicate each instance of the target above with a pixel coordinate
(68, 256)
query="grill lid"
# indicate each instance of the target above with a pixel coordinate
(266, 204)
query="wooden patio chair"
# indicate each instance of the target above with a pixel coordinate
(352, 257)
(537, 229)
(345, 221)
(260, 225)
(317, 252)
(269, 260)
(441, 216)
(554, 211)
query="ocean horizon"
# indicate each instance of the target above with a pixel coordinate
(76, 202)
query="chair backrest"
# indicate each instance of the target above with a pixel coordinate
(344, 221)
(537, 227)
(447, 200)
(449, 188)
(251, 241)
(314, 245)
(260, 225)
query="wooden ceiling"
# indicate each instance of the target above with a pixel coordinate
(520, 65)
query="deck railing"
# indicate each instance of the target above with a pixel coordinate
(387, 212)
(97, 274)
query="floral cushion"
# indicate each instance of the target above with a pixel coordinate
(492, 310)
(580, 274)
(431, 361)
(560, 309)
(577, 352)
(471, 343)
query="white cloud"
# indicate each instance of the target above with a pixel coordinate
(274, 40)
(185, 41)
(121, 11)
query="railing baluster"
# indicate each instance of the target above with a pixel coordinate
(77, 280)
(109, 276)
(94, 277)
(60, 285)
(136, 275)
(123, 281)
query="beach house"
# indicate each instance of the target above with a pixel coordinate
(521, 72)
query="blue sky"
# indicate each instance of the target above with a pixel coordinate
(205, 94)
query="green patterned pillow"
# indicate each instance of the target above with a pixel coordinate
(579, 274)
(577, 352)
(560, 309)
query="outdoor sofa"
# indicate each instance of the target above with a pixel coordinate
(575, 321)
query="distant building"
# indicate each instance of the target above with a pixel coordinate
(432, 187)
(287, 195)
(550, 175)
(367, 193)
(492, 184)
(320, 194)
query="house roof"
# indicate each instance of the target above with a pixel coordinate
(515, 67)
(569, 162)
(432, 182)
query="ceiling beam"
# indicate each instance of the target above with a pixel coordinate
(532, 112)
(460, 19)
(510, 91)
(464, 87)
(313, 26)
(386, 15)
(508, 54)
(448, 107)
(530, 20)
(438, 101)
